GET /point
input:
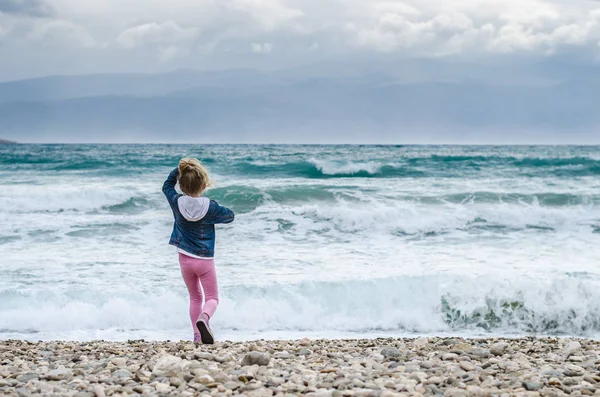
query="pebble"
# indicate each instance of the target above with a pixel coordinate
(200, 355)
(98, 391)
(436, 380)
(263, 392)
(205, 379)
(498, 348)
(551, 373)
(460, 347)
(532, 386)
(467, 366)
(230, 385)
(573, 370)
(427, 364)
(59, 374)
(390, 352)
(256, 358)
(222, 358)
(449, 356)
(122, 373)
(480, 353)
(393, 365)
(386, 367)
(168, 365)
(571, 348)
(162, 387)
(119, 361)
(24, 378)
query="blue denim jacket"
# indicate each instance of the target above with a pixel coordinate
(197, 238)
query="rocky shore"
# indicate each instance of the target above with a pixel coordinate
(379, 367)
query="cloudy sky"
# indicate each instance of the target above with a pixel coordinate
(43, 37)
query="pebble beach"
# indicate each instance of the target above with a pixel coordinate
(378, 367)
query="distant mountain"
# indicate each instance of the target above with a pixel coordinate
(129, 84)
(251, 106)
(4, 141)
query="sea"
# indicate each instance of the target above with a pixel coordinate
(329, 241)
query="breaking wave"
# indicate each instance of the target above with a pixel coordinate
(564, 305)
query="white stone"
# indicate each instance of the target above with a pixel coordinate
(59, 374)
(571, 348)
(119, 361)
(467, 366)
(99, 391)
(205, 379)
(168, 365)
(498, 348)
(162, 387)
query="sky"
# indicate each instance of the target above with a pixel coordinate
(47, 37)
(519, 71)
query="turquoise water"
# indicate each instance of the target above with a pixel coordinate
(328, 240)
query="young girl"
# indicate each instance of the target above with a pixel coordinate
(194, 236)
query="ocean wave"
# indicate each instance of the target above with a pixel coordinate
(427, 304)
(132, 205)
(311, 162)
(309, 208)
(549, 199)
(416, 220)
(245, 198)
(527, 166)
(557, 162)
(418, 167)
(62, 198)
(520, 161)
(349, 169)
(315, 169)
(102, 230)
(89, 158)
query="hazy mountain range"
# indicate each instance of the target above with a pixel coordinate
(419, 102)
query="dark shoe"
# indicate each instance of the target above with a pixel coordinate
(205, 333)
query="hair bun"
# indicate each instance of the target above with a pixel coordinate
(193, 177)
(188, 165)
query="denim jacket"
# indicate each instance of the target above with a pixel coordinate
(197, 238)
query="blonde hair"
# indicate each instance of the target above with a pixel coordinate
(193, 177)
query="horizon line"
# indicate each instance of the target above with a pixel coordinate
(298, 144)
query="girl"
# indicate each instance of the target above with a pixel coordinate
(194, 236)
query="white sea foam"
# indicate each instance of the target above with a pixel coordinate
(436, 304)
(393, 216)
(328, 167)
(86, 256)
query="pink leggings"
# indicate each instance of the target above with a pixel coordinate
(198, 275)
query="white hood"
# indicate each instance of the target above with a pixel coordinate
(193, 208)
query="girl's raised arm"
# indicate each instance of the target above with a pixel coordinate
(169, 187)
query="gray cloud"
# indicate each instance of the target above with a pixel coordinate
(91, 37)
(34, 8)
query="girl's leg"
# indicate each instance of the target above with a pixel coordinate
(192, 282)
(208, 278)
